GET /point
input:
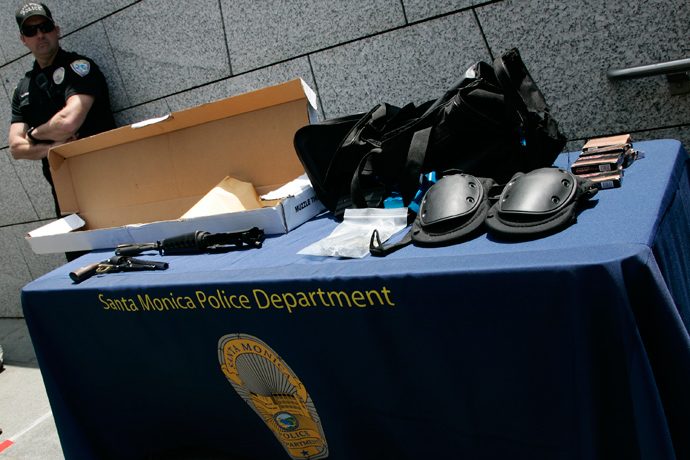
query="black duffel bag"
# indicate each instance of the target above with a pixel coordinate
(494, 122)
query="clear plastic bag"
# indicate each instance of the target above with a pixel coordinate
(352, 237)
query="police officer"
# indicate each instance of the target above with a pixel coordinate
(62, 98)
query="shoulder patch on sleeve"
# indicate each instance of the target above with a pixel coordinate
(81, 67)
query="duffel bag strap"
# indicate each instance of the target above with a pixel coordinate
(409, 182)
(358, 192)
(413, 165)
(517, 83)
(541, 130)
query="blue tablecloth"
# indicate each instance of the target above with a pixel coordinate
(571, 346)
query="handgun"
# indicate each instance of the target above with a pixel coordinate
(115, 264)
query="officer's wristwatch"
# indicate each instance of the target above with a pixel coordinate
(34, 140)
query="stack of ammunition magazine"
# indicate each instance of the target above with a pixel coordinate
(603, 160)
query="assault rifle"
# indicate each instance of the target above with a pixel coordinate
(196, 242)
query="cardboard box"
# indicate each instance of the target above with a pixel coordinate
(133, 184)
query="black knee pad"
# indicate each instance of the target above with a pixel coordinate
(539, 203)
(453, 210)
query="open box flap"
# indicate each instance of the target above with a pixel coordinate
(254, 100)
(182, 157)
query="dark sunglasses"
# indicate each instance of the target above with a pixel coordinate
(45, 27)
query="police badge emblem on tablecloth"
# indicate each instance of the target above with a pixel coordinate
(275, 393)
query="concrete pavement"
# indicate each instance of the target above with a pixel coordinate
(28, 429)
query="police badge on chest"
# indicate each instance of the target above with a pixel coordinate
(59, 76)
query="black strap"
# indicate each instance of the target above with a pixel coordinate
(331, 182)
(516, 81)
(382, 114)
(522, 93)
(377, 249)
(414, 163)
(378, 118)
(359, 199)
(409, 184)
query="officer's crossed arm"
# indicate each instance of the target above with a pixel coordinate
(63, 127)
(21, 149)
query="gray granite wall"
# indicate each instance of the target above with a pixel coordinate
(165, 55)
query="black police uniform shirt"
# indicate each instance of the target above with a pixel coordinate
(37, 98)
